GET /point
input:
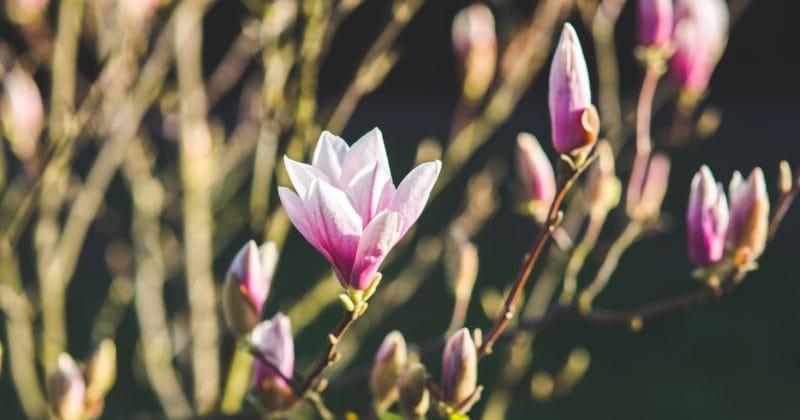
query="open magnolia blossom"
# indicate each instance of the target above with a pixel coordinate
(347, 207)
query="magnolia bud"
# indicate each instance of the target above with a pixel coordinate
(24, 12)
(389, 363)
(645, 203)
(247, 286)
(22, 113)
(536, 174)
(573, 119)
(459, 368)
(655, 22)
(414, 397)
(273, 338)
(67, 389)
(475, 46)
(102, 371)
(749, 209)
(699, 35)
(603, 188)
(706, 219)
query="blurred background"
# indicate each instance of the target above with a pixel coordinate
(738, 357)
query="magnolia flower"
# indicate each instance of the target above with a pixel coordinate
(749, 209)
(573, 119)
(655, 22)
(273, 338)
(386, 369)
(347, 207)
(67, 389)
(699, 34)
(475, 45)
(706, 219)
(247, 285)
(459, 368)
(535, 172)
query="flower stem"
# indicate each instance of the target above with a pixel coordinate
(328, 357)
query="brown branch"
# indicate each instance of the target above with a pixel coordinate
(328, 357)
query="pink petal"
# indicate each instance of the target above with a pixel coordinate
(301, 175)
(413, 192)
(363, 154)
(377, 240)
(336, 223)
(274, 339)
(329, 154)
(366, 191)
(296, 210)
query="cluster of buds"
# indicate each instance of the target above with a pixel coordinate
(78, 393)
(247, 285)
(273, 340)
(714, 224)
(475, 47)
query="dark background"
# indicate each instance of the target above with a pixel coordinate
(735, 358)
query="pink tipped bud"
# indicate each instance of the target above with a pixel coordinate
(655, 22)
(67, 389)
(247, 286)
(414, 396)
(573, 119)
(706, 219)
(22, 112)
(749, 208)
(645, 202)
(273, 338)
(459, 368)
(386, 369)
(475, 46)
(699, 35)
(535, 172)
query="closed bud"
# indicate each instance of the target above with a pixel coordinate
(24, 12)
(273, 339)
(102, 371)
(699, 36)
(706, 219)
(655, 22)
(414, 397)
(386, 369)
(573, 119)
(749, 209)
(645, 203)
(67, 389)
(247, 286)
(459, 368)
(536, 175)
(603, 188)
(22, 113)
(475, 46)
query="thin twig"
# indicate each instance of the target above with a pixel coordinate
(328, 356)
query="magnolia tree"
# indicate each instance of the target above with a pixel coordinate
(186, 206)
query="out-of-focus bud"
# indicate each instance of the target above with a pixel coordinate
(536, 174)
(24, 12)
(475, 47)
(386, 369)
(139, 12)
(247, 285)
(101, 374)
(67, 389)
(273, 338)
(459, 368)
(414, 397)
(785, 177)
(573, 119)
(699, 35)
(749, 209)
(645, 203)
(22, 113)
(655, 22)
(706, 219)
(603, 188)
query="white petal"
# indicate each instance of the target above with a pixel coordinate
(296, 210)
(363, 154)
(302, 174)
(413, 192)
(329, 154)
(365, 192)
(336, 223)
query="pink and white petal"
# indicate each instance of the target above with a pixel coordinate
(386, 196)
(413, 192)
(377, 240)
(301, 175)
(329, 154)
(336, 222)
(365, 192)
(268, 253)
(296, 210)
(363, 154)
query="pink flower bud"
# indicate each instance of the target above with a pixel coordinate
(573, 119)
(749, 209)
(22, 112)
(535, 172)
(699, 34)
(459, 368)
(347, 207)
(273, 338)
(706, 219)
(386, 369)
(247, 285)
(475, 46)
(655, 22)
(67, 389)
